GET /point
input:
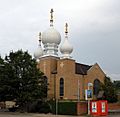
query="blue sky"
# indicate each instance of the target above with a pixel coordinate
(94, 28)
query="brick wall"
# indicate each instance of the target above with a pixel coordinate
(81, 108)
(114, 106)
(65, 68)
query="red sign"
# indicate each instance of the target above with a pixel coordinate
(99, 107)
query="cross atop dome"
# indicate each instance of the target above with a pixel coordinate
(51, 17)
(66, 28)
(40, 38)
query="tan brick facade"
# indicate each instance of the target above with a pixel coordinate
(55, 68)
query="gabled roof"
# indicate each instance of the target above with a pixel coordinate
(96, 66)
(81, 68)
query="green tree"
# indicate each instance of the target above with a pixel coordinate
(117, 85)
(1, 61)
(1, 75)
(109, 90)
(22, 80)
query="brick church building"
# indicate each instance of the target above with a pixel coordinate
(66, 78)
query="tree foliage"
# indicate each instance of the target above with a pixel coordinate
(3, 86)
(117, 85)
(21, 80)
(109, 90)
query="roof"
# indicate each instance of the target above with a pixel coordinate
(81, 68)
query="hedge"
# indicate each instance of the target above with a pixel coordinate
(64, 108)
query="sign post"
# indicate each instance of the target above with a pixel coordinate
(88, 96)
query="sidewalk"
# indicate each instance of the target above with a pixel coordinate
(16, 114)
(114, 111)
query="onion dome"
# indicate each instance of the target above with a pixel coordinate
(39, 52)
(51, 35)
(51, 38)
(66, 49)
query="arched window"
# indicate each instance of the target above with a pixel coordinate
(61, 87)
(96, 87)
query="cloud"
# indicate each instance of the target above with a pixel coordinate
(115, 76)
(94, 27)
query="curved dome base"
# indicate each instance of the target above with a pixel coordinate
(66, 56)
(51, 49)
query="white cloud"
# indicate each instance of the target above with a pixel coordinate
(94, 27)
(115, 76)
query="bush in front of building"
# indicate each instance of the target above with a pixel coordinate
(64, 107)
(39, 107)
(69, 108)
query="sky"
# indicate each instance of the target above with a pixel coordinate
(94, 28)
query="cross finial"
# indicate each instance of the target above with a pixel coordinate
(66, 28)
(51, 17)
(39, 36)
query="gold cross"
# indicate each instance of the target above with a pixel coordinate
(51, 15)
(39, 36)
(66, 28)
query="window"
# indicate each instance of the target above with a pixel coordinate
(96, 87)
(61, 87)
